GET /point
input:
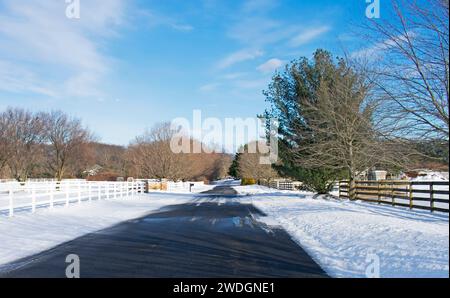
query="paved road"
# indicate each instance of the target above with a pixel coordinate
(203, 238)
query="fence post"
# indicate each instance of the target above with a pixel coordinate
(11, 203)
(51, 196)
(67, 195)
(410, 196)
(432, 197)
(33, 199)
(351, 190)
(392, 193)
(79, 192)
(379, 192)
(89, 192)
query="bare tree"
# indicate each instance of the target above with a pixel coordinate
(4, 143)
(413, 67)
(66, 137)
(250, 165)
(21, 139)
(111, 158)
(150, 155)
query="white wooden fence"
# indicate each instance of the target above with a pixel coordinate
(283, 184)
(29, 196)
(182, 186)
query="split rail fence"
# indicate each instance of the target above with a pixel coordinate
(426, 195)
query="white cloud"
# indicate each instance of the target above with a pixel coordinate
(14, 78)
(156, 19)
(54, 50)
(251, 6)
(308, 35)
(239, 56)
(209, 87)
(261, 31)
(234, 75)
(258, 84)
(378, 49)
(270, 65)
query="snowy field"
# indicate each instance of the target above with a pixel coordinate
(27, 234)
(346, 237)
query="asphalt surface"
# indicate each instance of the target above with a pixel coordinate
(211, 236)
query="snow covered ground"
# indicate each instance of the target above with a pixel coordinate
(348, 238)
(27, 234)
(198, 188)
(344, 237)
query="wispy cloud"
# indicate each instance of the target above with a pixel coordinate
(308, 35)
(209, 87)
(233, 75)
(378, 49)
(252, 6)
(255, 84)
(155, 19)
(261, 31)
(14, 78)
(270, 65)
(239, 56)
(49, 45)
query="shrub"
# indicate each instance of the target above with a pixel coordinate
(320, 181)
(248, 181)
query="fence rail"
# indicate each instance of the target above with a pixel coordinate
(16, 196)
(282, 185)
(427, 195)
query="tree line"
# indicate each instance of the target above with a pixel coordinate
(32, 142)
(340, 117)
(55, 145)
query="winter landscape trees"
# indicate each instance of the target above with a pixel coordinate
(150, 155)
(381, 107)
(325, 113)
(66, 138)
(385, 106)
(45, 143)
(411, 64)
(22, 139)
(55, 145)
(250, 165)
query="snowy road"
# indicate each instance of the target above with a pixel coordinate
(212, 236)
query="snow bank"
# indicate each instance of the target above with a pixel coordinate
(185, 189)
(27, 234)
(259, 189)
(432, 176)
(344, 237)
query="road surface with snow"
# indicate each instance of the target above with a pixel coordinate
(259, 232)
(213, 235)
(348, 238)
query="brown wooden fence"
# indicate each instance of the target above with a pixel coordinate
(427, 195)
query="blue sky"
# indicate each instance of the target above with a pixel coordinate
(127, 64)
